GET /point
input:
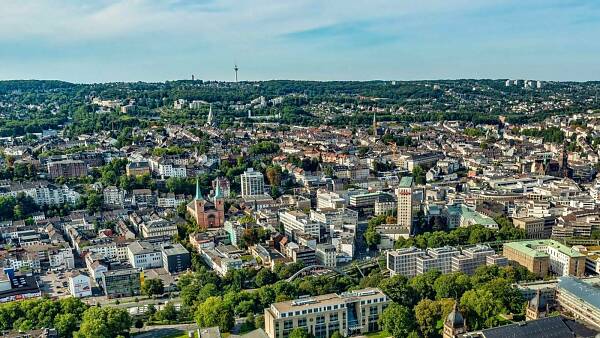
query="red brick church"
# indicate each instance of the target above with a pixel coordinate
(206, 213)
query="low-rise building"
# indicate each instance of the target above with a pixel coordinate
(121, 283)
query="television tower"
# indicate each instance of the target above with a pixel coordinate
(235, 68)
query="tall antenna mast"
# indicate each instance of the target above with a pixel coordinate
(235, 68)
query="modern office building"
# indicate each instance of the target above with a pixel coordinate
(412, 261)
(543, 256)
(253, 183)
(349, 313)
(404, 196)
(144, 255)
(121, 283)
(299, 222)
(579, 298)
(175, 257)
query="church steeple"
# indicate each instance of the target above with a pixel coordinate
(218, 193)
(374, 124)
(198, 191)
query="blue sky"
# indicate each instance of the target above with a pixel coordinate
(158, 40)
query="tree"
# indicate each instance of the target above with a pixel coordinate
(93, 201)
(274, 175)
(265, 277)
(337, 334)
(106, 322)
(372, 237)
(397, 320)
(423, 284)
(138, 324)
(398, 290)
(428, 313)
(65, 324)
(480, 308)
(153, 286)
(213, 312)
(168, 313)
(451, 285)
(299, 333)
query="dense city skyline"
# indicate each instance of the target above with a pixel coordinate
(104, 41)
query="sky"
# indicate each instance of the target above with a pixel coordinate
(88, 41)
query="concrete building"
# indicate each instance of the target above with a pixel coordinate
(143, 255)
(326, 255)
(80, 285)
(543, 256)
(412, 261)
(121, 283)
(67, 168)
(580, 299)
(350, 313)
(175, 258)
(252, 182)
(533, 226)
(298, 221)
(405, 202)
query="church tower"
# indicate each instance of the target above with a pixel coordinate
(208, 214)
(454, 324)
(537, 307)
(374, 125)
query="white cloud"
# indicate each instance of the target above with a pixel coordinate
(65, 21)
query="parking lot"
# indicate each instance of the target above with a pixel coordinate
(55, 284)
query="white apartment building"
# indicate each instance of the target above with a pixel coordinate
(253, 183)
(326, 255)
(143, 255)
(42, 193)
(336, 219)
(329, 200)
(114, 196)
(62, 257)
(80, 285)
(297, 221)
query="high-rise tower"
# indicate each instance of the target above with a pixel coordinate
(235, 68)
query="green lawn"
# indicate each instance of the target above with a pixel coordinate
(379, 334)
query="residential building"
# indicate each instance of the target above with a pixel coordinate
(67, 168)
(298, 221)
(138, 168)
(404, 194)
(80, 285)
(326, 255)
(534, 227)
(412, 261)
(252, 182)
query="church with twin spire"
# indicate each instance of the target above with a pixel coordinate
(208, 213)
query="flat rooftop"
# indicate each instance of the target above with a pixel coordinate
(327, 299)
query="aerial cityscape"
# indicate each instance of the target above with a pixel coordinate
(226, 202)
